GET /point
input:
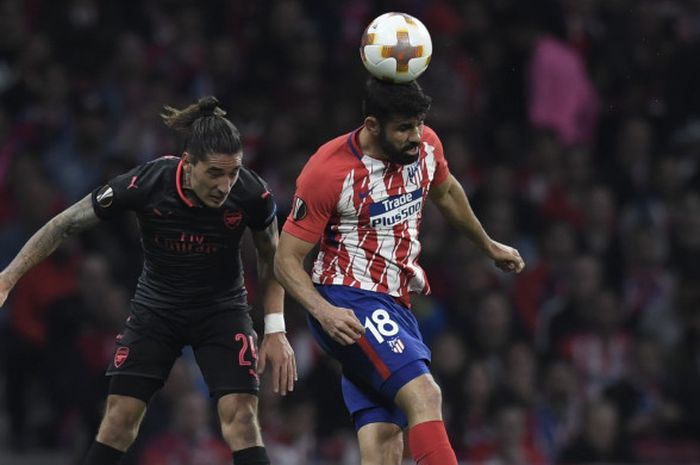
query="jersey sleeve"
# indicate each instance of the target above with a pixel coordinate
(125, 192)
(261, 208)
(442, 170)
(314, 202)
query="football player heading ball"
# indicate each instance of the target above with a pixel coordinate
(361, 195)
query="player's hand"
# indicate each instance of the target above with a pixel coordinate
(505, 257)
(341, 324)
(5, 288)
(276, 348)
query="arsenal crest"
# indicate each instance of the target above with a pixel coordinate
(232, 218)
(120, 356)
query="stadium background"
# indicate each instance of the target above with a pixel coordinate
(574, 126)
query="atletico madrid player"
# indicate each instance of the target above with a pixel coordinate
(362, 196)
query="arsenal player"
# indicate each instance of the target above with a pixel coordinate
(192, 211)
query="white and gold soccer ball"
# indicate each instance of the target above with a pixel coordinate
(396, 47)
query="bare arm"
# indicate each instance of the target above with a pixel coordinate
(275, 347)
(452, 202)
(266, 245)
(76, 218)
(340, 323)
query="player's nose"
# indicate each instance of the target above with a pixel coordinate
(224, 187)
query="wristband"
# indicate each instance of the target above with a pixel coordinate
(274, 323)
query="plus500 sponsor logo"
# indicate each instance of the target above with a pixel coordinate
(395, 209)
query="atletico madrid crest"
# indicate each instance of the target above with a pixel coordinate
(396, 345)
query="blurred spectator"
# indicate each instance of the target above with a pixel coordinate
(190, 439)
(512, 446)
(600, 440)
(492, 331)
(519, 377)
(686, 358)
(649, 286)
(544, 281)
(647, 409)
(470, 423)
(292, 441)
(76, 160)
(600, 235)
(562, 317)
(600, 349)
(558, 411)
(81, 330)
(29, 372)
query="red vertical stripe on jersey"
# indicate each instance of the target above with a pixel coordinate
(366, 236)
(329, 253)
(374, 357)
(395, 186)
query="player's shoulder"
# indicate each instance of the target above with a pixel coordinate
(251, 194)
(333, 159)
(154, 173)
(250, 185)
(333, 147)
(159, 166)
(434, 144)
(251, 180)
(429, 134)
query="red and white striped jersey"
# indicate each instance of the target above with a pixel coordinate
(367, 214)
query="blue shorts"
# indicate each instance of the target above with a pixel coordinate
(390, 354)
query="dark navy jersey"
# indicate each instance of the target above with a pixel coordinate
(191, 253)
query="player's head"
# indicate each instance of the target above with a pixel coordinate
(213, 149)
(394, 115)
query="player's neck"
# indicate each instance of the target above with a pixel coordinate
(369, 146)
(187, 189)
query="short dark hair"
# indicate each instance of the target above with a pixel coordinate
(205, 128)
(385, 100)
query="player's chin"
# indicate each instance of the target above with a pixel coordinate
(407, 158)
(215, 202)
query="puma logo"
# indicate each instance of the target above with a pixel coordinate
(162, 213)
(132, 185)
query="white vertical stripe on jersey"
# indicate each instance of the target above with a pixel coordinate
(359, 263)
(385, 236)
(347, 228)
(417, 279)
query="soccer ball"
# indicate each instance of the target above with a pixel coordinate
(396, 47)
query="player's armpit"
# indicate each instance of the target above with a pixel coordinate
(266, 240)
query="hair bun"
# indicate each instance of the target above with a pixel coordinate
(208, 106)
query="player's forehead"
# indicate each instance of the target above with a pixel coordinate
(395, 121)
(223, 161)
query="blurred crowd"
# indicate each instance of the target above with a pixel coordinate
(573, 125)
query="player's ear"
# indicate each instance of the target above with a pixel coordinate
(187, 161)
(372, 125)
